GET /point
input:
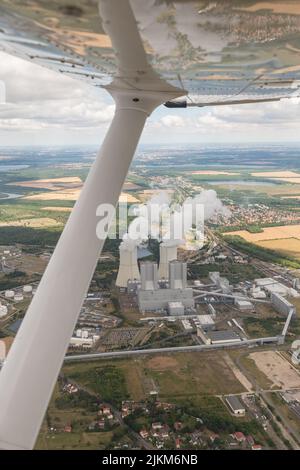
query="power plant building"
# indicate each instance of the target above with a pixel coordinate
(220, 281)
(161, 298)
(175, 308)
(174, 299)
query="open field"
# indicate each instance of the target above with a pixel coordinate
(291, 197)
(286, 246)
(51, 184)
(72, 195)
(277, 369)
(185, 375)
(188, 374)
(125, 197)
(212, 173)
(280, 7)
(285, 176)
(279, 189)
(270, 233)
(61, 195)
(57, 209)
(40, 222)
(276, 174)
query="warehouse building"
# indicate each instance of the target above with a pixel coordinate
(243, 305)
(235, 405)
(206, 322)
(222, 336)
(270, 285)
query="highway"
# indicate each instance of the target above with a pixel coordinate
(194, 348)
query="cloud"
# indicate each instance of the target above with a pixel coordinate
(41, 101)
(38, 98)
(173, 121)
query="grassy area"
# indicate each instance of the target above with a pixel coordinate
(259, 327)
(234, 272)
(178, 376)
(107, 381)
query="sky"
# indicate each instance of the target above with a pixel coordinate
(43, 107)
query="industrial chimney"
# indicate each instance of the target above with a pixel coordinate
(167, 253)
(177, 275)
(149, 276)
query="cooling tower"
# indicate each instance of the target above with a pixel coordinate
(149, 276)
(128, 267)
(177, 275)
(167, 253)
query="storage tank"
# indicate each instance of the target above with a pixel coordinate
(9, 294)
(3, 311)
(27, 289)
(18, 297)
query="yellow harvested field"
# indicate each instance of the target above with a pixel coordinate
(286, 246)
(277, 369)
(212, 172)
(287, 7)
(270, 233)
(51, 184)
(57, 209)
(72, 195)
(286, 176)
(62, 195)
(32, 223)
(125, 197)
(276, 174)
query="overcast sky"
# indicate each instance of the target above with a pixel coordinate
(45, 108)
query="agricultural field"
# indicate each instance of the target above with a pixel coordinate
(270, 233)
(51, 184)
(213, 173)
(286, 246)
(285, 239)
(40, 222)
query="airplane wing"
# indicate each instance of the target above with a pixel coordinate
(219, 51)
(145, 53)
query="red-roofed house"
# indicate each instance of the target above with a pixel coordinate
(239, 436)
